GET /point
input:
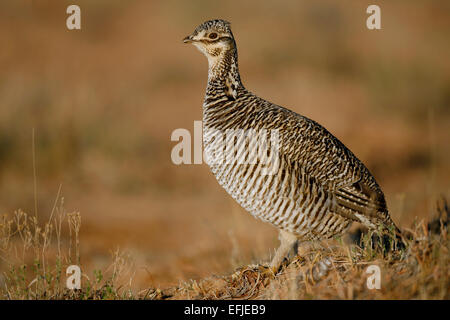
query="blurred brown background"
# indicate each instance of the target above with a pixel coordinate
(103, 102)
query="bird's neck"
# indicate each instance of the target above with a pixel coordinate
(223, 74)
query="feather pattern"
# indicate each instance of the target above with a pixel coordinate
(319, 186)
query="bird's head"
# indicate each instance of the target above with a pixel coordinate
(213, 38)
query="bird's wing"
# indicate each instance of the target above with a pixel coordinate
(334, 167)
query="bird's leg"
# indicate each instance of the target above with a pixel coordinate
(288, 248)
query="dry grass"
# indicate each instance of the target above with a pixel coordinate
(338, 271)
(35, 257)
(35, 260)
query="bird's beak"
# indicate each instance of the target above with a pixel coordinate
(188, 39)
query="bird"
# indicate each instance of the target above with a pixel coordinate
(318, 187)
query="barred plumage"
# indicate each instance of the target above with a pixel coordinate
(319, 186)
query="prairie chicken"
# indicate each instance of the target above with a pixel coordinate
(319, 187)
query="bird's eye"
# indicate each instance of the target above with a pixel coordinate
(213, 35)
